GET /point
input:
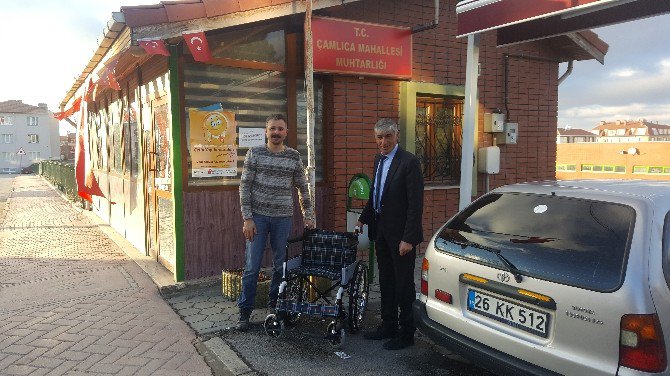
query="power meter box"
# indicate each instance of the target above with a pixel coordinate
(510, 135)
(494, 122)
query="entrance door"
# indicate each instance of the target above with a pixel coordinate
(158, 180)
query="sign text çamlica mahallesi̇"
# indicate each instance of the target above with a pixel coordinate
(362, 48)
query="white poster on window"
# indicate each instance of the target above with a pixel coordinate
(250, 137)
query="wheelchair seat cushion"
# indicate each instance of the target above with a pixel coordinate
(329, 250)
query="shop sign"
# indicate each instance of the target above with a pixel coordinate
(360, 48)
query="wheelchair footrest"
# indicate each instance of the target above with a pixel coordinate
(291, 306)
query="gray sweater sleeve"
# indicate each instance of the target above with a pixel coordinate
(247, 179)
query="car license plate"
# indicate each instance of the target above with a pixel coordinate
(509, 313)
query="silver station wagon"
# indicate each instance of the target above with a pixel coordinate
(567, 277)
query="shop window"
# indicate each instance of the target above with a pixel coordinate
(116, 155)
(130, 140)
(251, 95)
(261, 43)
(163, 147)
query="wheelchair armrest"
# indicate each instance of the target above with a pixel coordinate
(293, 263)
(348, 272)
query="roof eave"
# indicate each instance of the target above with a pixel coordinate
(114, 27)
(169, 30)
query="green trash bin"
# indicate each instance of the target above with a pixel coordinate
(358, 193)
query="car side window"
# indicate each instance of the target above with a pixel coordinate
(665, 248)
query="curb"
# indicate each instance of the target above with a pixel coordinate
(233, 364)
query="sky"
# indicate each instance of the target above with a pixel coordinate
(633, 83)
(47, 43)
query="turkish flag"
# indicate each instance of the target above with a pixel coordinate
(70, 111)
(197, 44)
(87, 184)
(154, 46)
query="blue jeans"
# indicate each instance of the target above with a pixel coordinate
(279, 229)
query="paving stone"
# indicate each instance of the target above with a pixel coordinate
(189, 312)
(211, 311)
(73, 303)
(204, 305)
(194, 318)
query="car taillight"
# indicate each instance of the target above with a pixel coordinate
(424, 277)
(641, 344)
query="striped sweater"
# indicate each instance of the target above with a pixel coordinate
(267, 182)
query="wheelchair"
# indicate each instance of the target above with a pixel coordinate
(330, 255)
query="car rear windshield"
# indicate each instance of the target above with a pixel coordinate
(571, 241)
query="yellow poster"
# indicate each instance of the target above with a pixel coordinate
(213, 142)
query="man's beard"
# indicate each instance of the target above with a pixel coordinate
(276, 139)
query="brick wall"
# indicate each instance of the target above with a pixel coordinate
(439, 57)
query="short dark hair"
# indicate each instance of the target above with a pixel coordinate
(276, 117)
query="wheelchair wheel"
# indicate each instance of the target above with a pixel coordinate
(273, 326)
(296, 291)
(358, 297)
(336, 335)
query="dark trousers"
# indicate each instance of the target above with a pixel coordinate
(396, 283)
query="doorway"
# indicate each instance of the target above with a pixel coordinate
(157, 148)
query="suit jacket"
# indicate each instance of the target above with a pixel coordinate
(401, 212)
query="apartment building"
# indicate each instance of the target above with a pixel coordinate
(631, 131)
(28, 134)
(569, 136)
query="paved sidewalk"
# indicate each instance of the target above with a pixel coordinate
(72, 303)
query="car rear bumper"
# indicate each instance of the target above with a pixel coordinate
(481, 355)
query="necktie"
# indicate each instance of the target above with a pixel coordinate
(379, 183)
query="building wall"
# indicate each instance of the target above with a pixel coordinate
(650, 154)
(440, 58)
(47, 147)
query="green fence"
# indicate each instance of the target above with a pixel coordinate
(61, 175)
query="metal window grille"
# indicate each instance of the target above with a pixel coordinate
(439, 130)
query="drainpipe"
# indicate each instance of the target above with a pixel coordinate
(432, 25)
(567, 72)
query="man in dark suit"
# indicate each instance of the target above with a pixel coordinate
(394, 214)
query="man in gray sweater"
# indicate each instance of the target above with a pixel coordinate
(266, 195)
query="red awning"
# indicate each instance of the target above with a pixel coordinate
(524, 20)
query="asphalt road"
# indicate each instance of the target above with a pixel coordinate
(303, 351)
